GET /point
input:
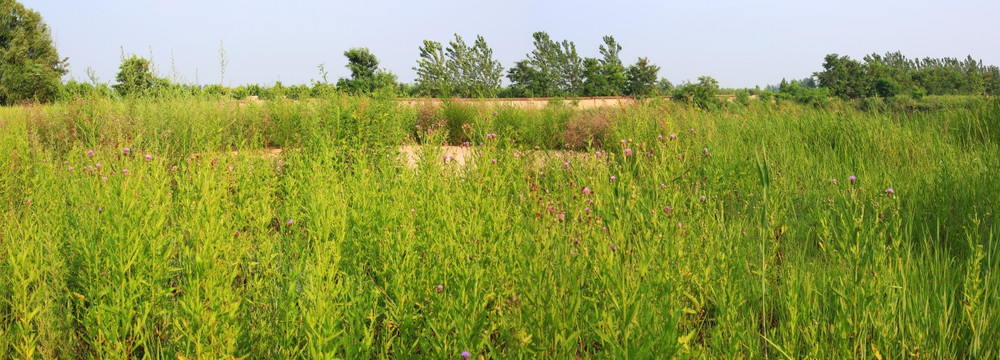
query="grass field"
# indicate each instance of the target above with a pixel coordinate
(165, 229)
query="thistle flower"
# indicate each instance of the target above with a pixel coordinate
(586, 210)
(494, 113)
(663, 186)
(613, 178)
(852, 179)
(149, 157)
(692, 130)
(90, 153)
(90, 168)
(890, 192)
(466, 354)
(705, 151)
(659, 137)
(104, 178)
(566, 164)
(628, 152)
(587, 191)
(71, 168)
(98, 166)
(668, 210)
(413, 211)
(613, 247)
(124, 171)
(493, 161)
(127, 151)
(440, 288)
(491, 136)
(703, 198)
(833, 181)
(291, 222)
(673, 136)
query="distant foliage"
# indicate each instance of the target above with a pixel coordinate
(135, 77)
(700, 94)
(642, 78)
(366, 77)
(893, 74)
(30, 67)
(551, 69)
(459, 70)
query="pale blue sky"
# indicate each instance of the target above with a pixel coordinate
(740, 43)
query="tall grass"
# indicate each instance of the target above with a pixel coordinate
(731, 241)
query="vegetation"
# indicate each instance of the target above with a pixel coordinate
(30, 67)
(459, 70)
(132, 228)
(894, 74)
(366, 77)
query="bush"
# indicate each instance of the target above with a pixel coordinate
(587, 129)
(701, 94)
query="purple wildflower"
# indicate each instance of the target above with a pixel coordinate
(587, 191)
(104, 178)
(440, 288)
(673, 136)
(291, 222)
(98, 166)
(613, 178)
(833, 181)
(491, 136)
(890, 192)
(127, 151)
(124, 171)
(852, 179)
(659, 137)
(90, 153)
(628, 152)
(466, 354)
(149, 157)
(703, 198)
(71, 168)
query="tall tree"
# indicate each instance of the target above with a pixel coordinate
(30, 67)
(433, 77)
(365, 74)
(613, 71)
(642, 78)
(551, 69)
(486, 72)
(135, 76)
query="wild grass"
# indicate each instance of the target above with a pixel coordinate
(731, 241)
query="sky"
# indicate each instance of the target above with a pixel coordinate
(739, 43)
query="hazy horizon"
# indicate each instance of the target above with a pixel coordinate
(740, 44)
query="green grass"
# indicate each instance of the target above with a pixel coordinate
(334, 249)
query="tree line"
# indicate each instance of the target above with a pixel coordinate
(31, 71)
(894, 74)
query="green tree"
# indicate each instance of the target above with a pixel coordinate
(612, 69)
(642, 78)
(433, 77)
(701, 94)
(458, 70)
(887, 87)
(30, 67)
(135, 77)
(365, 74)
(844, 77)
(487, 71)
(551, 69)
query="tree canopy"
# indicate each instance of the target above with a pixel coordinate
(30, 67)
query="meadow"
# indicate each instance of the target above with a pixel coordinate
(166, 228)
